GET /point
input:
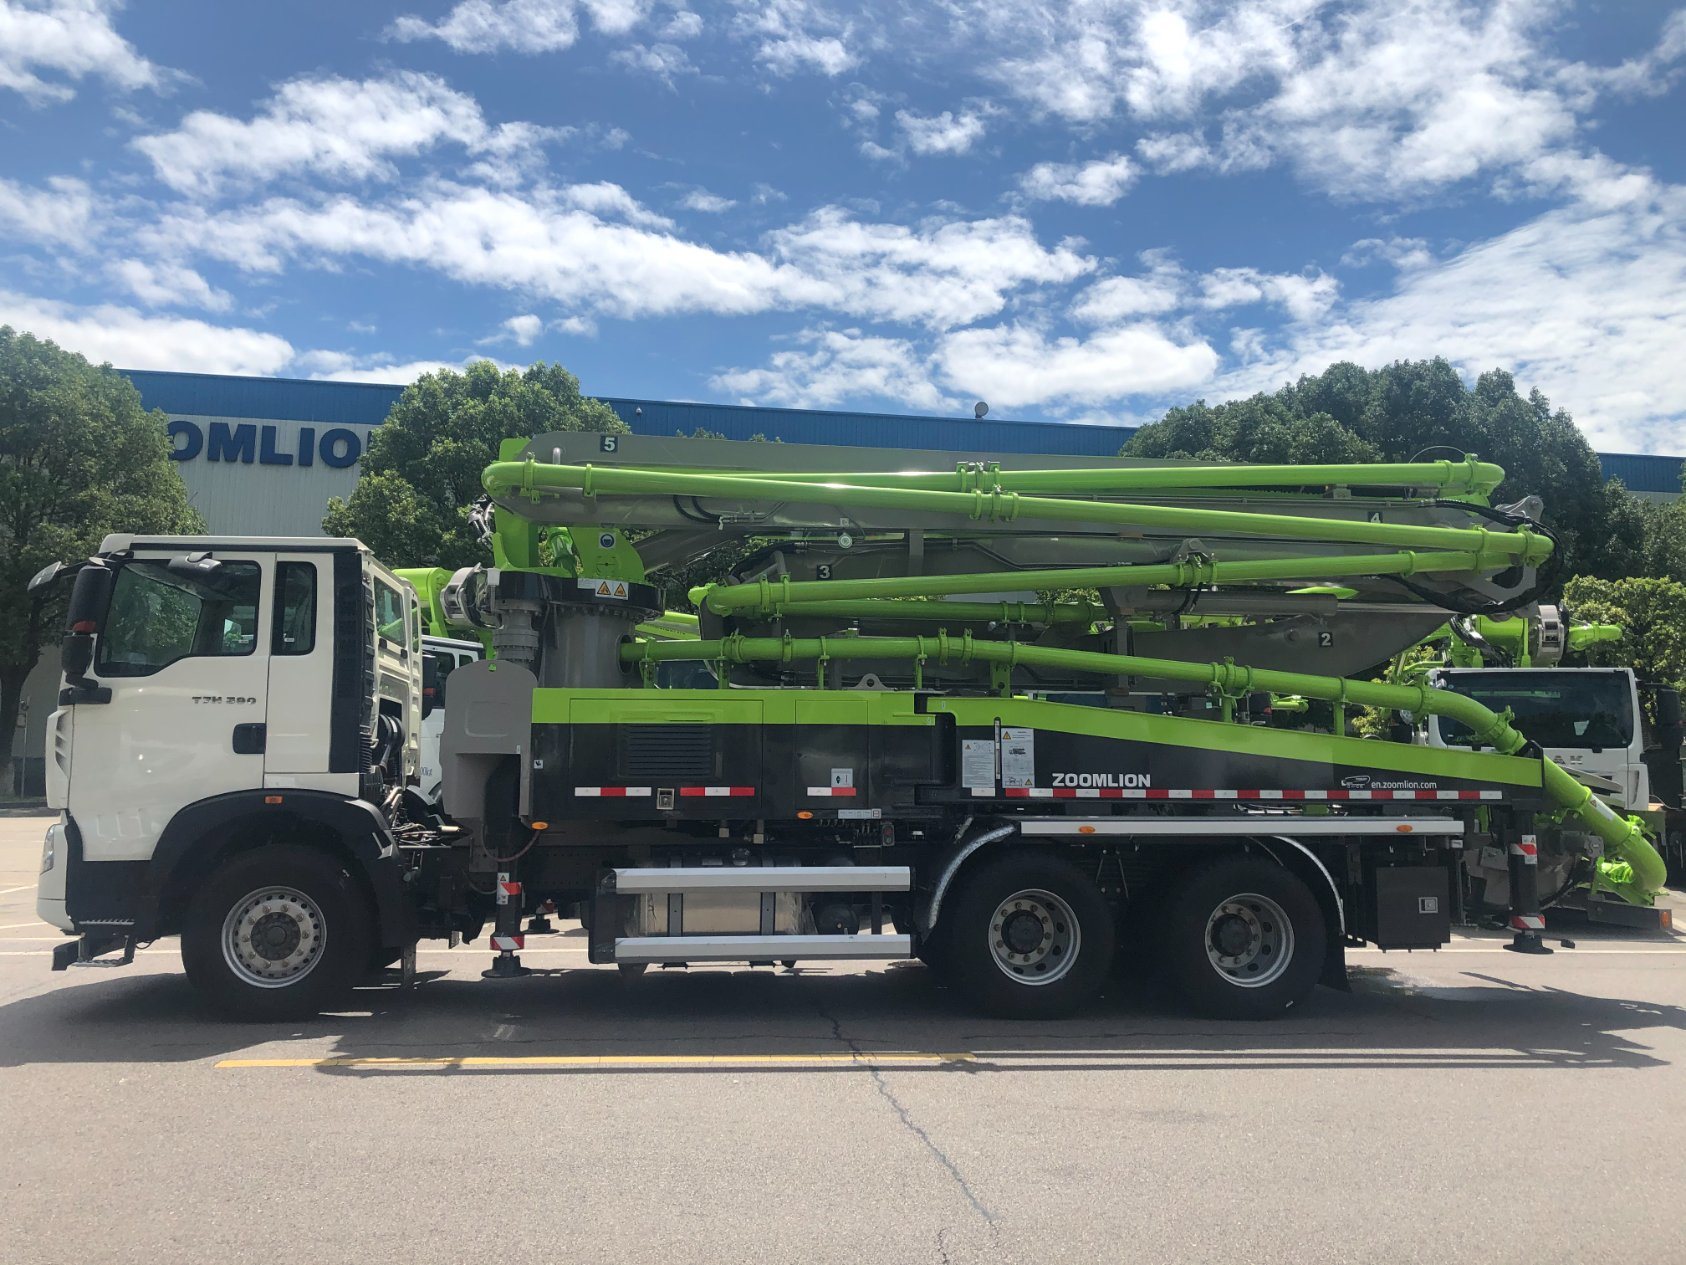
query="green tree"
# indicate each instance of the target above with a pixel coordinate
(1652, 613)
(1422, 408)
(79, 457)
(421, 471)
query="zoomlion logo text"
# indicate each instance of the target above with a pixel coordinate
(1364, 782)
(1129, 780)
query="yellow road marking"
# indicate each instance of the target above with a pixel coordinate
(608, 1060)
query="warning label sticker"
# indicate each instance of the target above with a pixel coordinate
(1018, 757)
(842, 777)
(977, 764)
(604, 588)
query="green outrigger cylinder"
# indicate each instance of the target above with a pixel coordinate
(1065, 571)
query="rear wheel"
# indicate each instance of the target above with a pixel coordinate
(1026, 936)
(278, 933)
(1242, 938)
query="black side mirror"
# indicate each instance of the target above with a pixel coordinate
(45, 576)
(1665, 701)
(432, 686)
(89, 600)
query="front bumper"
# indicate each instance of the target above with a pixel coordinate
(50, 887)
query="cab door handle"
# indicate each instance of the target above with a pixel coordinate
(250, 739)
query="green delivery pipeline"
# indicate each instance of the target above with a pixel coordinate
(1468, 476)
(1638, 876)
(531, 479)
(784, 595)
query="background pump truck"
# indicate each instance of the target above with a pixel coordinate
(855, 751)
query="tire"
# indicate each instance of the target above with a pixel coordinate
(1241, 938)
(632, 970)
(1006, 901)
(314, 913)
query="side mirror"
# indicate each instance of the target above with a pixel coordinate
(45, 576)
(1665, 700)
(432, 687)
(89, 600)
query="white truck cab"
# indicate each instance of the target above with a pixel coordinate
(219, 691)
(1587, 719)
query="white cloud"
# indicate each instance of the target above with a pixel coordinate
(1399, 252)
(343, 129)
(1015, 365)
(593, 248)
(835, 366)
(45, 42)
(663, 60)
(58, 214)
(161, 283)
(1586, 302)
(1374, 100)
(1100, 182)
(939, 273)
(1116, 299)
(945, 133)
(683, 25)
(792, 36)
(609, 201)
(134, 340)
(523, 330)
(706, 202)
(1305, 298)
(523, 26)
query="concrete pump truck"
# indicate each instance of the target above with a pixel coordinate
(936, 706)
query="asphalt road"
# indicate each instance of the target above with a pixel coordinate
(1462, 1106)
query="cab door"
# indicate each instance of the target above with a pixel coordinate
(301, 671)
(185, 656)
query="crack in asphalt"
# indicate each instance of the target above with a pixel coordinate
(912, 1126)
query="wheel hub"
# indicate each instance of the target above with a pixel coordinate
(1034, 937)
(274, 937)
(1249, 940)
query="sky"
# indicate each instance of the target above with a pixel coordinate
(1086, 211)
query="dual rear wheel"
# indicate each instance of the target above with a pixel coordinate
(1030, 936)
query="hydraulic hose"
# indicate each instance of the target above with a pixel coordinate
(1639, 872)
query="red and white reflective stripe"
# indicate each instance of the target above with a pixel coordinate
(1527, 922)
(613, 792)
(507, 888)
(716, 792)
(508, 944)
(1527, 849)
(1206, 793)
(838, 792)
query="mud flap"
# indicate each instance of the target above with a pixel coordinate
(1334, 967)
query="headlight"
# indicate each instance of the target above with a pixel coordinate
(50, 847)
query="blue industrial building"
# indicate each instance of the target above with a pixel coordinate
(352, 404)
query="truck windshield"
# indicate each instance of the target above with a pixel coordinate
(1558, 707)
(157, 617)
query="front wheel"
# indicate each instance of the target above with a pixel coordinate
(277, 933)
(1242, 938)
(1026, 936)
